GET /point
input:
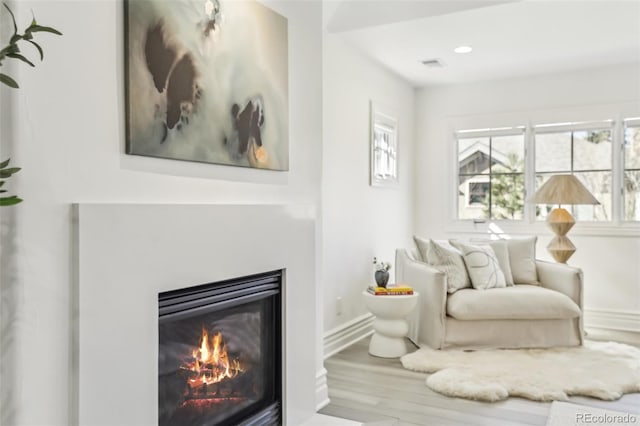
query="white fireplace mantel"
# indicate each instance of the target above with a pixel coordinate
(125, 254)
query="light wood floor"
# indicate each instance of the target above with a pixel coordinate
(381, 392)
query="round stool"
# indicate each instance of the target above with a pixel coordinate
(390, 324)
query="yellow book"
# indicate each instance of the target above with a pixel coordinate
(399, 287)
(390, 291)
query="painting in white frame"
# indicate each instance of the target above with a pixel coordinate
(384, 147)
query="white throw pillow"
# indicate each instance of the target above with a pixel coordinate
(522, 257)
(447, 260)
(482, 266)
(501, 250)
(423, 247)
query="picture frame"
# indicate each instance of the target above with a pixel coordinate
(383, 147)
(207, 81)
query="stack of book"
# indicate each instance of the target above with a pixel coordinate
(392, 290)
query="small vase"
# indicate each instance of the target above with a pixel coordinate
(382, 278)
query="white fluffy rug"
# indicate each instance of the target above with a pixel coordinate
(603, 370)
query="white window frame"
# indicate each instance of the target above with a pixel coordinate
(617, 227)
(578, 127)
(627, 122)
(484, 133)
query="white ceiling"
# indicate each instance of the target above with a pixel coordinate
(509, 39)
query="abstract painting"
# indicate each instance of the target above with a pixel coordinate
(207, 81)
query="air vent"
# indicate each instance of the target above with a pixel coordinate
(433, 63)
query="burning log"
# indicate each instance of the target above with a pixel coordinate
(211, 371)
(240, 384)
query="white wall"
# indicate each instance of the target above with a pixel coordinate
(610, 263)
(359, 221)
(65, 127)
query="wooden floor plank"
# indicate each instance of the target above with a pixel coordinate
(368, 389)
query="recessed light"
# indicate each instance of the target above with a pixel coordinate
(463, 49)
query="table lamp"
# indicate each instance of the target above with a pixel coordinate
(562, 189)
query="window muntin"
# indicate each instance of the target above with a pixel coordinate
(631, 179)
(491, 177)
(585, 153)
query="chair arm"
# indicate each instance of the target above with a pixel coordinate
(562, 278)
(427, 323)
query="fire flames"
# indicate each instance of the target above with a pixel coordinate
(210, 363)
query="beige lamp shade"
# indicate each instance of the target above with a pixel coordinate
(563, 189)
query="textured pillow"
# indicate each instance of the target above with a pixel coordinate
(482, 266)
(447, 260)
(522, 257)
(501, 251)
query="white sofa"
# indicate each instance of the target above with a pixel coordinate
(522, 316)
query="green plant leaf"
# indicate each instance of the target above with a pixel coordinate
(37, 47)
(13, 18)
(8, 81)
(22, 58)
(40, 28)
(10, 201)
(4, 164)
(5, 173)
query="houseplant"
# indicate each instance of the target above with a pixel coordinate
(12, 51)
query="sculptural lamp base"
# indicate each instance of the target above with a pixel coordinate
(561, 248)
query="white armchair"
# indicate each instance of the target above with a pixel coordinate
(523, 316)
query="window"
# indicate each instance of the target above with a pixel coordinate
(498, 169)
(587, 154)
(491, 174)
(631, 181)
(384, 148)
(478, 193)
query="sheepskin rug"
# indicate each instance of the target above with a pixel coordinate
(604, 370)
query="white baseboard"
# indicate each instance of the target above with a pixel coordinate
(322, 390)
(619, 320)
(347, 334)
(610, 324)
(333, 342)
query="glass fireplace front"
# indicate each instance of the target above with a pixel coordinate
(220, 353)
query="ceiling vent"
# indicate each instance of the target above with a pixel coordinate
(433, 63)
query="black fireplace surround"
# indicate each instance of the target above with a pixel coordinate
(220, 353)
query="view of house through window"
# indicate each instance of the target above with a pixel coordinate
(631, 186)
(587, 154)
(491, 177)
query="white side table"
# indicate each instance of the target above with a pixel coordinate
(390, 324)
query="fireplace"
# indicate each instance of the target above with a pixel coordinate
(219, 358)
